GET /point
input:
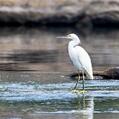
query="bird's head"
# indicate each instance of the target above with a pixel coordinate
(71, 36)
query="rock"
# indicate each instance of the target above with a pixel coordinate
(110, 73)
(71, 12)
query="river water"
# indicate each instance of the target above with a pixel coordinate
(35, 69)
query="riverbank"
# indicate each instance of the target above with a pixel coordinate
(63, 12)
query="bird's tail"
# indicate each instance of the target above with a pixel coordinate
(90, 75)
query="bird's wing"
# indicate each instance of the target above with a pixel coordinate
(84, 60)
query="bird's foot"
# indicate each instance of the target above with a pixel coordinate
(83, 91)
(78, 91)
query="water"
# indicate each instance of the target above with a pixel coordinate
(35, 69)
(33, 99)
(38, 48)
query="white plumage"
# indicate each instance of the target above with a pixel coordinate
(79, 57)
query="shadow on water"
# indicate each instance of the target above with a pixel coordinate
(40, 56)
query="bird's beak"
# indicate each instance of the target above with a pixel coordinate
(62, 37)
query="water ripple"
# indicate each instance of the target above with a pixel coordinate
(23, 91)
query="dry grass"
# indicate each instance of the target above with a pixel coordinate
(7, 2)
(46, 3)
(34, 3)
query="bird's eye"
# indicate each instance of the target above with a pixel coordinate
(69, 35)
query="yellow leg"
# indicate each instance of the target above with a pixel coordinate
(83, 82)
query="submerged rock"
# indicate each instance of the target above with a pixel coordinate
(59, 11)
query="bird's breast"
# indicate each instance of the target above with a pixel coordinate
(74, 57)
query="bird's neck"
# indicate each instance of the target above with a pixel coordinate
(74, 43)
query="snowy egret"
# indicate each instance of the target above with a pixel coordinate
(79, 57)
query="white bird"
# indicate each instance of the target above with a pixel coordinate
(79, 57)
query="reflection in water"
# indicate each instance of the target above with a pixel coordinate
(38, 49)
(31, 100)
(35, 110)
(40, 56)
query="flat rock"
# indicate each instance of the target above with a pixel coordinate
(110, 73)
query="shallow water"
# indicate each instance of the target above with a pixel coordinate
(30, 98)
(37, 83)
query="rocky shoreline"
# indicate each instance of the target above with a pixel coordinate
(54, 12)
